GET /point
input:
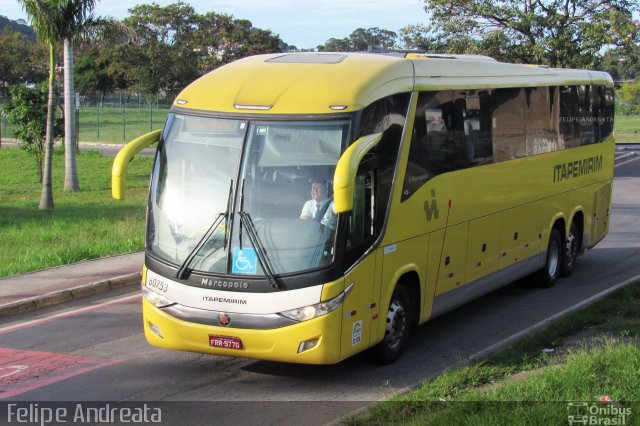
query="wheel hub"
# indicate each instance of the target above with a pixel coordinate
(396, 325)
(554, 259)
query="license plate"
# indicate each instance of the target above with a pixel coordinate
(225, 342)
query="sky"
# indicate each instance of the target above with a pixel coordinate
(302, 23)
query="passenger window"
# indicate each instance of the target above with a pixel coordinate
(431, 141)
(451, 131)
(606, 121)
(569, 116)
(597, 95)
(541, 133)
(585, 114)
(478, 126)
(508, 124)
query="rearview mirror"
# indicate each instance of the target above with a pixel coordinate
(346, 169)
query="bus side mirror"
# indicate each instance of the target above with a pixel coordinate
(121, 162)
(344, 177)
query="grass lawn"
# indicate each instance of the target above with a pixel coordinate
(596, 354)
(627, 128)
(83, 225)
(108, 123)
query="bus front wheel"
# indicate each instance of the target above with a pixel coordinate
(397, 328)
(548, 275)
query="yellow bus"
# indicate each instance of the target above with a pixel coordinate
(305, 207)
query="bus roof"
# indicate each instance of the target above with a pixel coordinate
(322, 83)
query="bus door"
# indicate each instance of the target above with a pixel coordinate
(360, 305)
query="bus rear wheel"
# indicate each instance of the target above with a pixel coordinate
(397, 328)
(570, 251)
(549, 274)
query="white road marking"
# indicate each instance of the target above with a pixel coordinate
(65, 314)
(15, 370)
(636, 158)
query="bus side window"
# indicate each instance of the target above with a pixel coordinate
(376, 172)
(597, 98)
(541, 133)
(476, 116)
(508, 124)
(432, 143)
(585, 115)
(569, 120)
(606, 120)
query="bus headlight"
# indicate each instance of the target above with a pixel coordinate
(156, 299)
(306, 313)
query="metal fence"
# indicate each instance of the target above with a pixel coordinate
(114, 117)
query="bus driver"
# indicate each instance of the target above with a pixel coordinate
(320, 207)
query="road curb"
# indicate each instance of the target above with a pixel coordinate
(57, 297)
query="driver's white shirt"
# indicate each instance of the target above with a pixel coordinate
(311, 207)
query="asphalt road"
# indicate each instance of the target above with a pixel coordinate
(95, 351)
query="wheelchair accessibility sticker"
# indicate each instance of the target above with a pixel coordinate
(245, 261)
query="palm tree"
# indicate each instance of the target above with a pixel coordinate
(80, 23)
(45, 18)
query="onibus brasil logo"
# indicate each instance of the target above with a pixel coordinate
(605, 412)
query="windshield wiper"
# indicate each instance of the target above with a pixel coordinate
(265, 264)
(183, 271)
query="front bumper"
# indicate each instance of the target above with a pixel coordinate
(279, 344)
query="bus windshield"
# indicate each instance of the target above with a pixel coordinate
(199, 163)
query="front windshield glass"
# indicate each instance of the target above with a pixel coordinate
(197, 161)
(284, 192)
(285, 188)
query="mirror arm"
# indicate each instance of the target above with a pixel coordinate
(121, 162)
(345, 175)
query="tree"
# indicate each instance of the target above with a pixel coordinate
(18, 26)
(362, 39)
(27, 111)
(256, 41)
(622, 64)
(164, 55)
(46, 20)
(91, 71)
(559, 33)
(18, 60)
(78, 21)
(628, 98)
(335, 45)
(240, 38)
(175, 45)
(495, 44)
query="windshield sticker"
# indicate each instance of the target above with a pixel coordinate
(356, 333)
(245, 261)
(262, 130)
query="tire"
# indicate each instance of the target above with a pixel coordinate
(548, 275)
(398, 327)
(572, 246)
